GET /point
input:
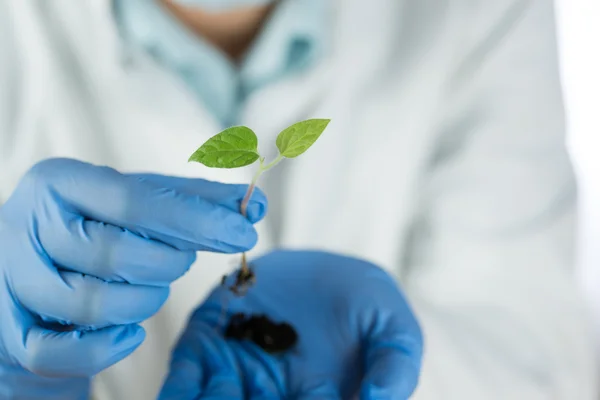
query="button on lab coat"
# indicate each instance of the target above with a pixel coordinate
(444, 164)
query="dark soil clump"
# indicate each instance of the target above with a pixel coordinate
(272, 337)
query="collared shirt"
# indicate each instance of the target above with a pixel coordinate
(292, 39)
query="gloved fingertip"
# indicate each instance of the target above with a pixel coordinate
(246, 237)
(223, 387)
(402, 389)
(79, 353)
(257, 206)
(131, 336)
(139, 333)
(392, 374)
(125, 341)
(373, 392)
(320, 391)
(256, 211)
(231, 233)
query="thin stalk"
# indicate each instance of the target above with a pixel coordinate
(246, 200)
(271, 164)
(248, 195)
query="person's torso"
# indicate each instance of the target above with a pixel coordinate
(355, 191)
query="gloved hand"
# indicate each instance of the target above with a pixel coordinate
(86, 253)
(357, 336)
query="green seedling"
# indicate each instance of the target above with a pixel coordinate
(237, 147)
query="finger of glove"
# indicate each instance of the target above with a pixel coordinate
(263, 375)
(323, 390)
(226, 195)
(187, 222)
(202, 366)
(392, 370)
(111, 253)
(394, 343)
(70, 298)
(222, 387)
(184, 380)
(77, 354)
(16, 383)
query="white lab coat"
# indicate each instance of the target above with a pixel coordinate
(444, 164)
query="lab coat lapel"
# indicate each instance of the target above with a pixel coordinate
(304, 185)
(146, 102)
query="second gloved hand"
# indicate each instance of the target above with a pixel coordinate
(357, 336)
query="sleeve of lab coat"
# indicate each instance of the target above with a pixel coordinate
(6, 70)
(9, 95)
(491, 266)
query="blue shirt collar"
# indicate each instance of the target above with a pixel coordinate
(293, 38)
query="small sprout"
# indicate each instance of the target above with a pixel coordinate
(237, 147)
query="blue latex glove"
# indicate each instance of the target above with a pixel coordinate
(357, 336)
(86, 253)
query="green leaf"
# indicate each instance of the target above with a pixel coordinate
(232, 148)
(296, 139)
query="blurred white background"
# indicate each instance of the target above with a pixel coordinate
(579, 40)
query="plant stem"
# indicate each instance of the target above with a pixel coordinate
(246, 200)
(270, 165)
